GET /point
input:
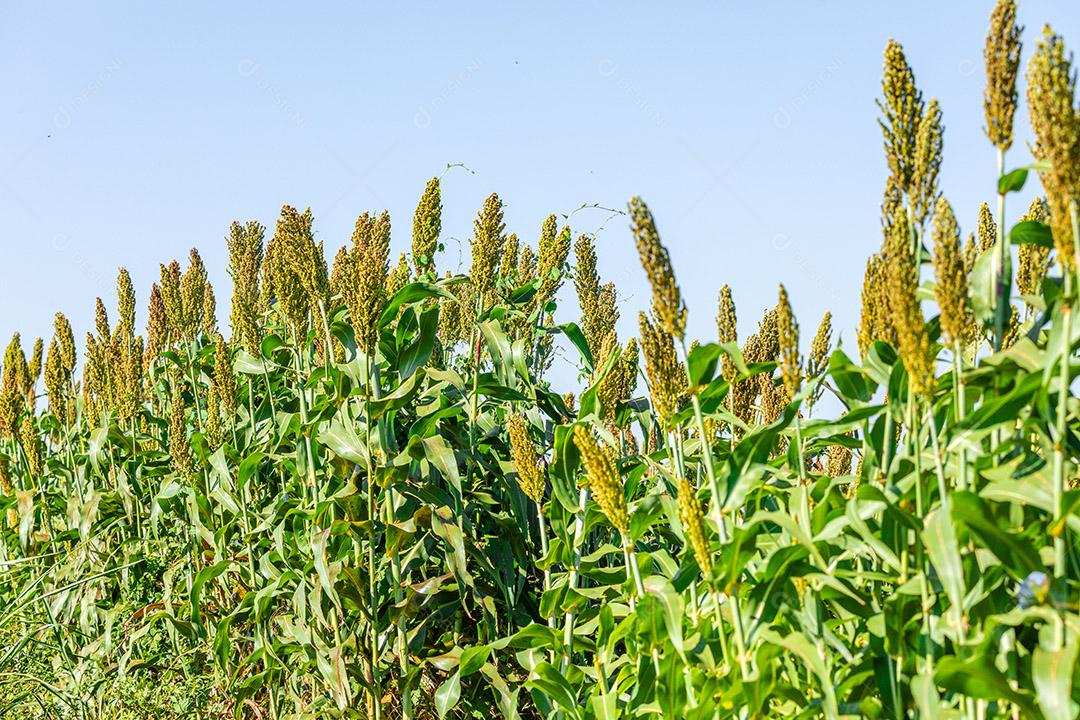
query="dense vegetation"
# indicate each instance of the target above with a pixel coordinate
(369, 502)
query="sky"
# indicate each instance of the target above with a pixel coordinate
(133, 132)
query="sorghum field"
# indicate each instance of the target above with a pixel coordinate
(368, 501)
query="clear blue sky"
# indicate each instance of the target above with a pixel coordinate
(133, 132)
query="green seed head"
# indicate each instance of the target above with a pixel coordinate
(667, 304)
(1002, 55)
(427, 224)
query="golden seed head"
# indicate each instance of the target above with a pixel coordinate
(224, 380)
(508, 262)
(125, 294)
(157, 330)
(629, 362)
(179, 445)
(694, 525)
(291, 267)
(775, 398)
(526, 268)
(33, 367)
(523, 452)
(837, 461)
(788, 332)
(929, 141)
(16, 372)
(126, 377)
(170, 297)
(5, 477)
(950, 279)
(902, 107)
(339, 271)
(874, 321)
(906, 312)
(66, 339)
(449, 320)
(1055, 119)
(209, 311)
(1034, 260)
(1013, 330)
(365, 277)
(552, 251)
(427, 224)
(820, 347)
(56, 382)
(587, 285)
(398, 277)
(245, 243)
(489, 236)
(987, 229)
(214, 432)
(1002, 54)
(101, 321)
(667, 379)
(603, 480)
(31, 445)
(192, 294)
(667, 304)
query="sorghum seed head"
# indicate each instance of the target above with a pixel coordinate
(398, 277)
(726, 329)
(1034, 260)
(902, 107)
(245, 243)
(987, 228)
(788, 332)
(929, 141)
(56, 382)
(489, 236)
(508, 261)
(819, 348)
(552, 251)
(838, 461)
(1055, 119)
(427, 224)
(667, 379)
(125, 295)
(950, 286)
(66, 339)
(170, 297)
(667, 304)
(525, 459)
(31, 445)
(157, 330)
(906, 313)
(1002, 55)
(694, 526)
(209, 311)
(223, 379)
(874, 321)
(192, 294)
(603, 480)
(526, 264)
(101, 321)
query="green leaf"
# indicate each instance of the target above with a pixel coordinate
(412, 293)
(1052, 673)
(978, 678)
(1012, 181)
(1031, 232)
(573, 332)
(941, 545)
(702, 363)
(448, 694)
